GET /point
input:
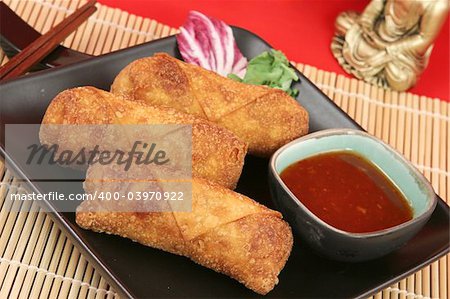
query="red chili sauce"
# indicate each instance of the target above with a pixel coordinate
(347, 191)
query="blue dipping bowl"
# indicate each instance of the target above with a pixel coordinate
(334, 243)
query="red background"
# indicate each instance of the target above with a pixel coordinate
(302, 29)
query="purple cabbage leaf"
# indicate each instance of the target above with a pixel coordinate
(210, 43)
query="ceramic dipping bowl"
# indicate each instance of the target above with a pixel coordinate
(334, 243)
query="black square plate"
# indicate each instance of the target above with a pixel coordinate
(138, 271)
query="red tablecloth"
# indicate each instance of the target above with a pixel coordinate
(302, 29)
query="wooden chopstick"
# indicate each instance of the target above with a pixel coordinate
(46, 43)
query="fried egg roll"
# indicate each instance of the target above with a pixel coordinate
(265, 118)
(217, 154)
(225, 231)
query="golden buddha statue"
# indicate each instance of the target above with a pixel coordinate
(390, 42)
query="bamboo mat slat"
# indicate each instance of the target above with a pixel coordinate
(38, 261)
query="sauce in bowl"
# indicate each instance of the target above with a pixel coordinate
(347, 191)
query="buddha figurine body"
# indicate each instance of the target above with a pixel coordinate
(390, 42)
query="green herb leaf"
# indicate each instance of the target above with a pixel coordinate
(271, 69)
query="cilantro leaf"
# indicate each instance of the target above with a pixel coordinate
(270, 68)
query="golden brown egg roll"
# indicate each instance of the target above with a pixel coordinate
(265, 118)
(217, 154)
(225, 231)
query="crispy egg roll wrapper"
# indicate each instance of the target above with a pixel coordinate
(217, 154)
(265, 118)
(225, 231)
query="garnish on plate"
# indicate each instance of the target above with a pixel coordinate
(209, 43)
(271, 69)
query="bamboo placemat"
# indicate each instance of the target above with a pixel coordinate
(37, 259)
